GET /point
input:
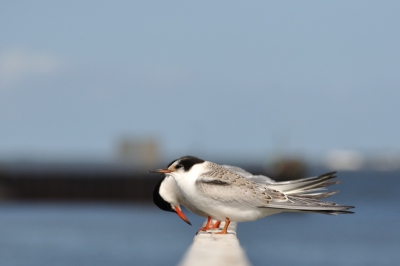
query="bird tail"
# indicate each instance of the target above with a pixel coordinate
(310, 187)
(308, 191)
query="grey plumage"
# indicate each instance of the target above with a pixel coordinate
(301, 195)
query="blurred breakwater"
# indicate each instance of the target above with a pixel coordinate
(75, 183)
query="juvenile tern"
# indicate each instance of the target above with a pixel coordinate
(231, 193)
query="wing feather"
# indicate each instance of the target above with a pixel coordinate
(232, 185)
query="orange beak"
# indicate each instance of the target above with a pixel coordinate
(181, 215)
(161, 171)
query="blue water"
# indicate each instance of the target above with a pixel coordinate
(139, 234)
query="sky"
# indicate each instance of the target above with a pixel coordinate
(207, 78)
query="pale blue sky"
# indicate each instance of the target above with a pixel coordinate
(208, 78)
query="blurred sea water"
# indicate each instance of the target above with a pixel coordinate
(141, 234)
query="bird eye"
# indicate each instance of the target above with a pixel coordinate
(178, 166)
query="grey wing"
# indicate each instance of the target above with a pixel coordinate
(231, 188)
(311, 187)
(262, 179)
(300, 187)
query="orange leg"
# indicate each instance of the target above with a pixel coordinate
(205, 228)
(216, 225)
(225, 230)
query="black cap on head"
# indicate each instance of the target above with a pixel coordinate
(187, 162)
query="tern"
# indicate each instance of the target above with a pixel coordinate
(168, 197)
(230, 193)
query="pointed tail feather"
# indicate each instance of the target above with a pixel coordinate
(305, 185)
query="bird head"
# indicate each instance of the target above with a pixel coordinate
(166, 196)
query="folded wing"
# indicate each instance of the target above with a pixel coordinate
(234, 186)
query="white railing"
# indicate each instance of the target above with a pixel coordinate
(210, 249)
